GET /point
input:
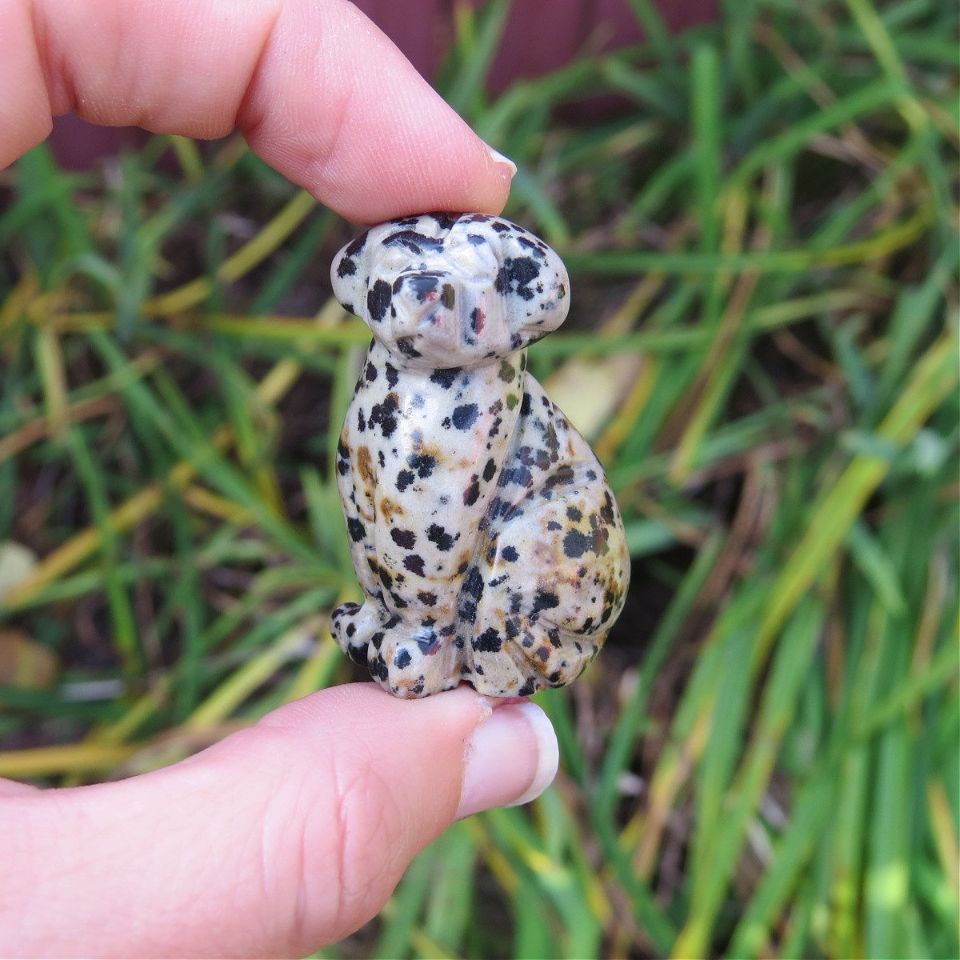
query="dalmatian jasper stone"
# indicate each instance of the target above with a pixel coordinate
(483, 531)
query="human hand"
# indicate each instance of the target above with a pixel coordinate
(277, 840)
(292, 833)
(317, 90)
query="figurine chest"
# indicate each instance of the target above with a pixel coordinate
(417, 433)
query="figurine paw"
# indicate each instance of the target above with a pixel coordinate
(405, 660)
(527, 656)
(352, 626)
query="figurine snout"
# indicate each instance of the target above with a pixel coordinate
(427, 286)
(418, 296)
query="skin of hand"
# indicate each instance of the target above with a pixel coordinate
(292, 833)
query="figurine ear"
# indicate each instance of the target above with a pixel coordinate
(534, 284)
(553, 301)
(348, 274)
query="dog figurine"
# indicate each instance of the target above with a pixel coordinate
(483, 531)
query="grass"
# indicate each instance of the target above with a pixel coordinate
(763, 249)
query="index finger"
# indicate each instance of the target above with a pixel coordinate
(320, 93)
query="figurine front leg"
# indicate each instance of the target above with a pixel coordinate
(421, 454)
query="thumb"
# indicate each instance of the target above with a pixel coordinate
(277, 840)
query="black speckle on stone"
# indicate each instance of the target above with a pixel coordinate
(356, 245)
(465, 416)
(346, 267)
(532, 246)
(427, 599)
(510, 554)
(562, 477)
(472, 493)
(422, 464)
(473, 584)
(384, 414)
(488, 642)
(392, 375)
(402, 660)
(519, 475)
(378, 300)
(574, 514)
(489, 469)
(525, 406)
(516, 275)
(445, 220)
(404, 479)
(445, 378)
(403, 538)
(414, 563)
(545, 600)
(413, 241)
(437, 535)
(343, 459)
(357, 530)
(503, 509)
(370, 372)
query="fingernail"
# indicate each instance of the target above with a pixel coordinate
(511, 759)
(499, 158)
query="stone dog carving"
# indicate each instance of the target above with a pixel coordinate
(484, 534)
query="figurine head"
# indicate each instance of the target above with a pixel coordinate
(452, 290)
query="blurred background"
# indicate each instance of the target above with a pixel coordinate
(757, 202)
